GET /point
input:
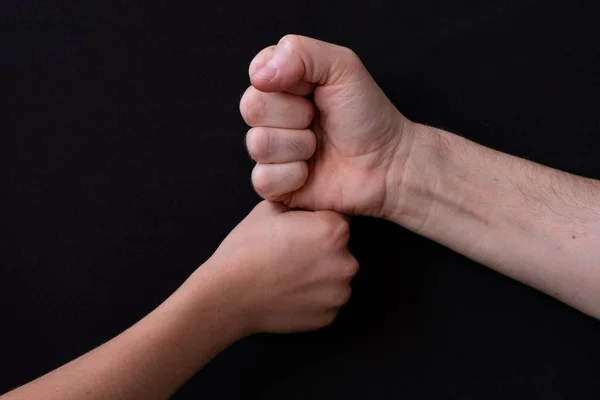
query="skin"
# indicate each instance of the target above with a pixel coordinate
(278, 271)
(358, 154)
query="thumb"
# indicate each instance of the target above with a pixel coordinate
(299, 58)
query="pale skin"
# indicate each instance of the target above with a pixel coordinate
(351, 150)
(278, 271)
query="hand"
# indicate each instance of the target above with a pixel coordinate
(357, 132)
(284, 270)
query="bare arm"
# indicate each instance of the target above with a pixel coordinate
(535, 224)
(151, 359)
(278, 271)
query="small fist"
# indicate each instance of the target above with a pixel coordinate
(286, 270)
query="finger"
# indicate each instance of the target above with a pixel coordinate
(273, 180)
(266, 207)
(278, 110)
(334, 296)
(328, 317)
(333, 226)
(321, 319)
(302, 88)
(349, 268)
(299, 58)
(334, 215)
(276, 145)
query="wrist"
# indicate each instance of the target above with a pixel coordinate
(213, 286)
(414, 175)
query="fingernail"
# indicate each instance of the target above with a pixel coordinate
(265, 72)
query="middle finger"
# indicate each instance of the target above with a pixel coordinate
(276, 110)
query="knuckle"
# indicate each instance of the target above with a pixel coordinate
(252, 106)
(341, 297)
(344, 270)
(259, 143)
(328, 318)
(350, 269)
(324, 319)
(341, 231)
(350, 55)
(318, 323)
(324, 228)
(335, 228)
(290, 40)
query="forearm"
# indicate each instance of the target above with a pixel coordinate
(536, 224)
(154, 357)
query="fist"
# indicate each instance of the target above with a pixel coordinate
(339, 149)
(286, 270)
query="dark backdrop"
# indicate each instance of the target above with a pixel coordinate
(122, 166)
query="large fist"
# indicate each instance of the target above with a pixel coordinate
(332, 150)
(285, 270)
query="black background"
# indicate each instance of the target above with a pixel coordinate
(122, 166)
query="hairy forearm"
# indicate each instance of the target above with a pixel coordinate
(536, 224)
(154, 357)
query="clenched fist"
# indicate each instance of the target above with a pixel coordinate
(332, 150)
(285, 270)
